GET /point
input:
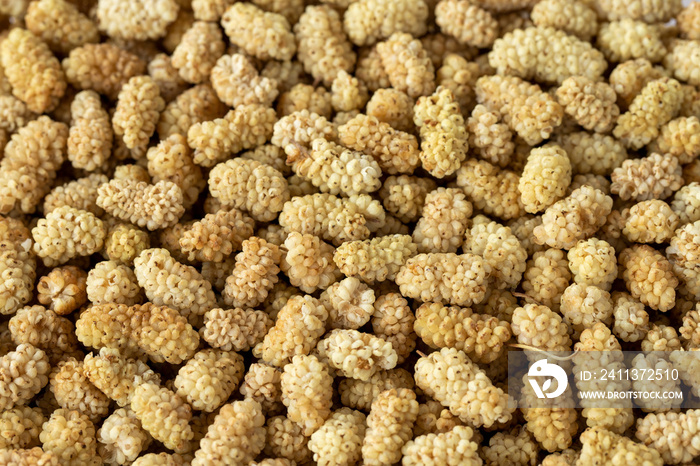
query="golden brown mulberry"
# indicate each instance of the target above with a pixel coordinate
(198, 52)
(404, 195)
(553, 426)
(598, 442)
(324, 48)
(245, 127)
(392, 106)
(592, 152)
(209, 10)
(309, 262)
(288, 73)
(216, 236)
(236, 82)
(23, 373)
(451, 378)
(112, 282)
(104, 68)
(34, 73)
(593, 262)
(457, 446)
(172, 160)
(20, 427)
(627, 39)
(73, 390)
(395, 151)
(168, 282)
(159, 332)
(334, 219)
(237, 434)
(339, 440)
(286, 440)
(193, 106)
(43, 329)
(254, 274)
(466, 22)
(348, 93)
(117, 376)
(491, 139)
(490, 189)
(680, 138)
(121, 438)
(137, 112)
(444, 140)
(70, 435)
(355, 354)
(370, 70)
(389, 426)
(546, 277)
(591, 104)
(522, 53)
(574, 218)
(262, 384)
(360, 395)
(459, 76)
(459, 280)
(367, 21)
(653, 177)
(164, 415)
(17, 265)
(60, 25)
(528, 111)
(15, 114)
(161, 69)
(444, 221)
(500, 248)
(650, 221)
(299, 326)
(235, 329)
(305, 97)
(66, 233)
(378, 259)
(124, 242)
(260, 34)
(681, 61)
(545, 178)
(516, 447)
(90, 136)
(29, 165)
(350, 303)
(481, 336)
(657, 103)
(393, 321)
(649, 276)
(539, 326)
(661, 338)
(64, 289)
(136, 19)
(306, 392)
(153, 206)
(631, 319)
(407, 65)
(583, 305)
(689, 21)
(208, 379)
(575, 18)
(335, 169)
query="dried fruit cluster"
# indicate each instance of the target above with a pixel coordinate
(289, 232)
